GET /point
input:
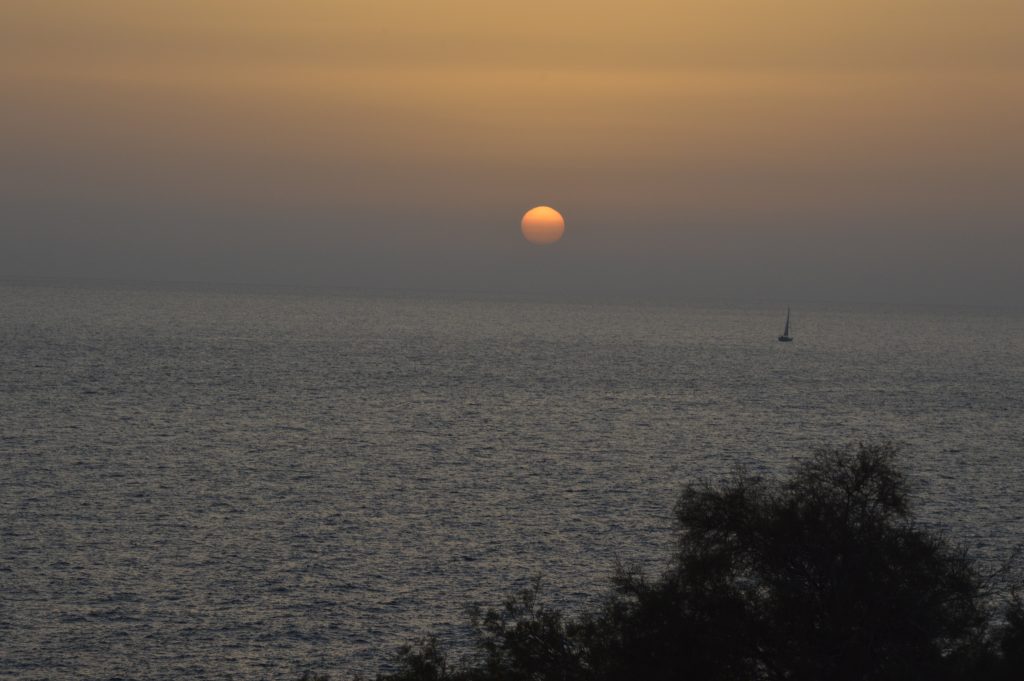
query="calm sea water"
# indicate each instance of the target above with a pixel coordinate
(201, 483)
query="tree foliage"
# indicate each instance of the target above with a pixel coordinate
(824, 575)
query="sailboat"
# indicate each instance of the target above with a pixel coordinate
(785, 337)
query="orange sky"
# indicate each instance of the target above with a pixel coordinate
(704, 148)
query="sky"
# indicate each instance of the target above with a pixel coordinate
(862, 150)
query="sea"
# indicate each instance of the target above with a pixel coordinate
(202, 482)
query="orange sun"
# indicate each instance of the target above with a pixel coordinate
(543, 225)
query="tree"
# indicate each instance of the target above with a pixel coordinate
(825, 575)
(828, 575)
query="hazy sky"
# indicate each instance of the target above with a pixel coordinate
(787, 150)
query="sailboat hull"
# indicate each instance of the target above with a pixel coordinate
(784, 339)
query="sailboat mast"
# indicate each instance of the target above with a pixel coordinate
(786, 332)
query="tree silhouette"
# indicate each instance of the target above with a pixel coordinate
(823, 576)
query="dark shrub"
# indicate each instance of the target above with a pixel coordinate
(824, 576)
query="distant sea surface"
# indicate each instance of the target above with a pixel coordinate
(209, 483)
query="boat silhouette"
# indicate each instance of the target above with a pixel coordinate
(785, 337)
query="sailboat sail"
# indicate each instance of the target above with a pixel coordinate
(785, 334)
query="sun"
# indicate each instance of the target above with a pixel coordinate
(543, 225)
